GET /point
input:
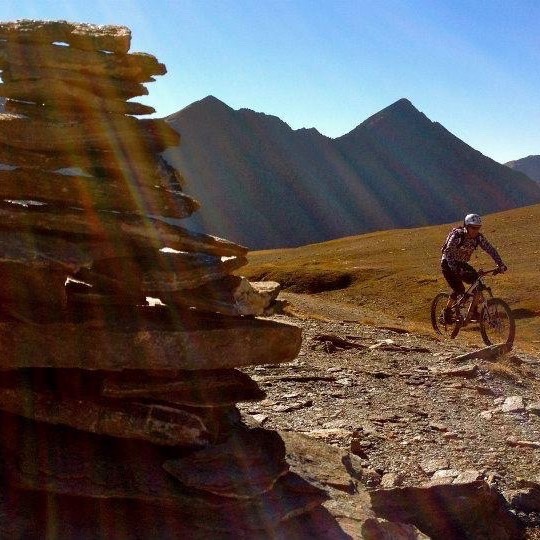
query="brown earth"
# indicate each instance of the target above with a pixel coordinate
(402, 403)
(390, 277)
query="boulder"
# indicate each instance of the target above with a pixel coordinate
(209, 388)
(379, 529)
(114, 228)
(92, 37)
(53, 90)
(90, 193)
(106, 134)
(456, 511)
(68, 463)
(215, 296)
(246, 465)
(318, 462)
(45, 251)
(151, 422)
(159, 271)
(74, 110)
(133, 66)
(147, 338)
(255, 298)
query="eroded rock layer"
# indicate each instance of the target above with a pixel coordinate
(121, 331)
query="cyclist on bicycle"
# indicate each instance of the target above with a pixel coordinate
(456, 252)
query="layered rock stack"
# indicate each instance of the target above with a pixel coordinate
(118, 415)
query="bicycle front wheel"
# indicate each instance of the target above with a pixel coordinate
(497, 324)
(437, 315)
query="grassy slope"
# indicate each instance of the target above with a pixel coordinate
(397, 272)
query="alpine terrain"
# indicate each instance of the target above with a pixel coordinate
(529, 165)
(266, 185)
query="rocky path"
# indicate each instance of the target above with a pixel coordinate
(407, 408)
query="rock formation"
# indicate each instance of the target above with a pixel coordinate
(119, 413)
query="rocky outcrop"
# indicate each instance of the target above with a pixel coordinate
(456, 511)
(120, 330)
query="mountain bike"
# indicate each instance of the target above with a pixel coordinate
(477, 304)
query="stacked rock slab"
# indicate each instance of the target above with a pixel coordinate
(118, 415)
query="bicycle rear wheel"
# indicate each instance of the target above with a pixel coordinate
(497, 324)
(437, 315)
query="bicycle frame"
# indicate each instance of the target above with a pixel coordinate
(476, 291)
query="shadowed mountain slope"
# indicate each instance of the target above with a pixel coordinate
(265, 185)
(529, 165)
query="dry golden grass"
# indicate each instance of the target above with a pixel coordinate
(397, 272)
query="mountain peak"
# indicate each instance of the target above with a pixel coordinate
(402, 108)
(212, 100)
(402, 103)
(210, 105)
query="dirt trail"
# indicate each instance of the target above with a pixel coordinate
(409, 409)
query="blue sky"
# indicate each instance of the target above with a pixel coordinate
(472, 65)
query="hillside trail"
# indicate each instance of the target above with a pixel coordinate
(319, 307)
(409, 409)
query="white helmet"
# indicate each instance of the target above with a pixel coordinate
(473, 219)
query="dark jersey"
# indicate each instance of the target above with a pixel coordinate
(459, 248)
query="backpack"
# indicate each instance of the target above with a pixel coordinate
(461, 237)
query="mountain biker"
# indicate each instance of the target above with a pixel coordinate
(456, 252)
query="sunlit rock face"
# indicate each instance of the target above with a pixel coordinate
(106, 399)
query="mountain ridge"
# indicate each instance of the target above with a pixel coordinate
(265, 185)
(529, 165)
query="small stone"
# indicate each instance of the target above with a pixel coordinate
(514, 441)
(438, 426)
(260, 418)
(444, 476)
(294, 406)
(467, 476)
(390, 480)
(487, 415)
(513, 404)
(253, 298)
(381, 343)
(469, 370)
(431, 465)
(528, 483)
(534, 408)
(451, 435)
(386, 417)
(358, 450)
(370, 477)
(328, 434)
(484, 390)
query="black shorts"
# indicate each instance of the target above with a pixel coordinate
(465, 273)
